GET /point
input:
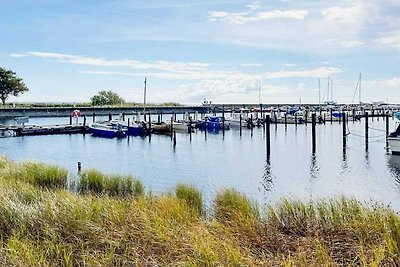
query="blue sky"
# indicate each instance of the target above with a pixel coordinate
(223, 51)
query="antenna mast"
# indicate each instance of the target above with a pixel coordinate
(144, 97)
(359, 92)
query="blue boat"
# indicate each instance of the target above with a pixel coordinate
(337, 114)
(134, 129)
(109, 131)
(397, 115)
(214, 123)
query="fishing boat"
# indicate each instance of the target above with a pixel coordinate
(394, 138)
(104, 130)
(136, 128)
(214, 123)
(162, 128)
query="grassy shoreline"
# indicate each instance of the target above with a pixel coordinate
(111, 221)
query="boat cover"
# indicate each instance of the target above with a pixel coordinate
(396, 133)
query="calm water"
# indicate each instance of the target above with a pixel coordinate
(214, 161)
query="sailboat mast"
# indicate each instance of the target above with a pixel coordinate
(319, 95)
(259, 93)
(144, 96)
(332, 90)
(359, 90)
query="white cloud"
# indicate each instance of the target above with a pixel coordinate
(251, 65)
(102, 62)
(254, 5)
(246, 17)
(17, 55)
(352, 43)
(312, 73)
(391, 39)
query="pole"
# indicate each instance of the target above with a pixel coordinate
(79, 166)
(313, 123)
(94, 117)
(223, 119)
(366, 129)
(144, 97)
(344, 130)
(268, 135)
(387, 128)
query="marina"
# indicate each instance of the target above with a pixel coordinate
(350, 161)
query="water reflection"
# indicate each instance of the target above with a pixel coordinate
(344, 164)
(314, 173)
(394, 166)
(267, 181)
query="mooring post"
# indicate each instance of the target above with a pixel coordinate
(94, 117)
(313, 123)
(79, 166)
(190, 128)
(295, 119)
(158, 118)
(261, 110)
(366, 128)
(172, 126)
(161, 113)
(149, 122)
(387, 128)
(174, 139)
(109, 116)
(123, 116)
(373, 114)
(84, 120)
(70, 119)
(285, 120)
(268, 135)
(129, 123)
(331, 116)
(223, 119)
(240, 124)
(344, 130)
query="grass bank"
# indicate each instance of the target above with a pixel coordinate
(110, 221)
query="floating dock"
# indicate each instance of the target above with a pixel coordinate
(45, 129)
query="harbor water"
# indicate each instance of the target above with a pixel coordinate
(213, 161)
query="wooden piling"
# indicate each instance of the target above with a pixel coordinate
(313, 124)
(366, 129)
(158, 118)
(223, 119)
(70, 119)
(109, 116)
(94, 117)
(79, 166)
(387, 128)
(190, 128)
(344, 131)
(123, 116)
(268, 135)
(240, 124)
(84, 120)
(174, 139)
(306, 114)
(285, 120)
(172, 126)
(331, 116)
(295, 119)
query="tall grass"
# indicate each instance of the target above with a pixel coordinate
(96, 182)
(38, 174)
(103, 226)
(191, 196)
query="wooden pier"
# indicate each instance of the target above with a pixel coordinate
(45, 129)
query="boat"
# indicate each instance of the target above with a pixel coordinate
(394, 138)
(162, 128)
(104, 130)
(136, 128)
(214, 123)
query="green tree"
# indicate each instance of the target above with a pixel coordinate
(10, 84)
(106, 98)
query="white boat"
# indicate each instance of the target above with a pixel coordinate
(394, 141)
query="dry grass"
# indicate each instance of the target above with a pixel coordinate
(54, 227)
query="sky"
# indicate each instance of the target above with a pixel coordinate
(236, 51)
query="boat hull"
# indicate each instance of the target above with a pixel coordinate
(106, 133)
(394, 144)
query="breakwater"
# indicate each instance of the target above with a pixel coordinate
(101, 111)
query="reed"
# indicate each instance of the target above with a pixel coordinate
(191, 196)
(93, 181)
(38, 174)
(106, 225)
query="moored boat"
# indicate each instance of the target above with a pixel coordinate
(394, 138)
(110, 131)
